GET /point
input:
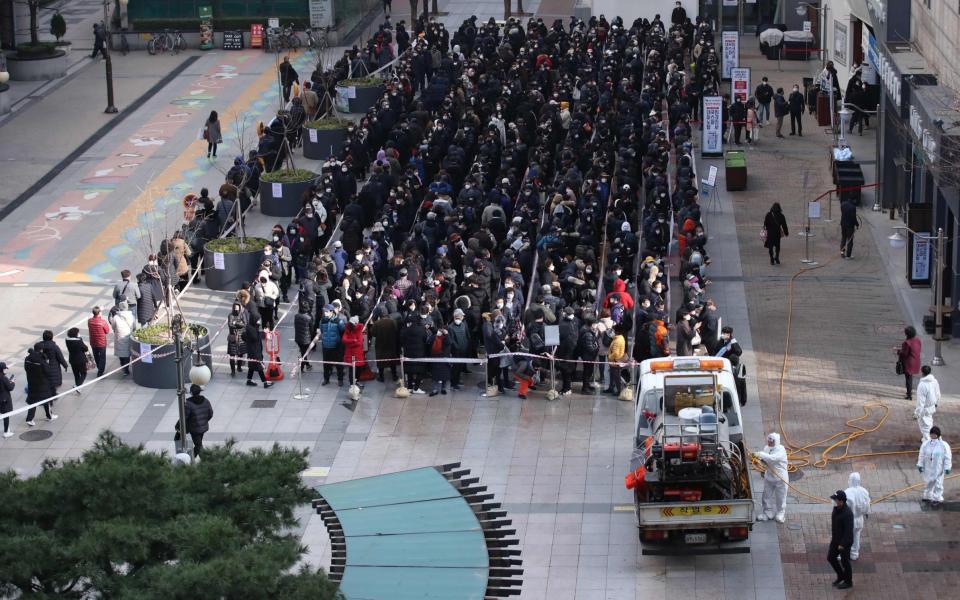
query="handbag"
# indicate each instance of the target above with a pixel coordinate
(696, 341)
(91, 363)
(899, 367)
(763, 235)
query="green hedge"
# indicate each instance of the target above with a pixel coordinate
(219, 24)
(288, 176)
(39, 49)
(231, 245)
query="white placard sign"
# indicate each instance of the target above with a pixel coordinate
(712, 176)
(276, 190)
(813, 210)
(320, 13)
(341, 101)
(731, 52)
(218, 262)
(313, 135)
(145, 353)
(807, 26)
(921, 256)
(711, 143)
(273, 22)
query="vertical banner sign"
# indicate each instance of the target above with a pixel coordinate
(320, 13)
(920, 267)
(256, 35)
(731, 52)
(206, 27)
(740, 83)
(711, 143)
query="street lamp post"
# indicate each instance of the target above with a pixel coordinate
(822, 13)
(111, 108)
(897, 240)
(177, 326)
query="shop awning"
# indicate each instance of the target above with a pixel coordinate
(425, 533)
(858, 8)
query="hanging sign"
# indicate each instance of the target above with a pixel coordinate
(711, 143)
(920, 267)
(256, 35)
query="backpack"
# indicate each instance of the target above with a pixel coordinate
(608, 336)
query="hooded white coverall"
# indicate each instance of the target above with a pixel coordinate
(935, 459)
(858, 499)
(774, 480)
(928, 396)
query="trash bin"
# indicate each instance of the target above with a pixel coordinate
(848, 174)
(735, 164)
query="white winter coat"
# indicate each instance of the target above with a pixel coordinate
(123, 323)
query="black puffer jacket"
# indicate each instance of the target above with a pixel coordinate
(198, 412)
(38, 382)
(303, 327)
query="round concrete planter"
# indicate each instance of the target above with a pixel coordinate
(4, 98)
(329, 142)
(238, 267)
(287, 203)
(37, 68)
(364, 98)
(161, 372)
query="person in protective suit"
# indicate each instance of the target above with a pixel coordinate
(934, 462)
(858, 499)
(774, 458)
(928, 396)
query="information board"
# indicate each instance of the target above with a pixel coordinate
(731, 52)
(320, 13)
(233, 40)
(740, 83)
(256, 35)
(711, 142)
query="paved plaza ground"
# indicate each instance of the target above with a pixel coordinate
(557, 466)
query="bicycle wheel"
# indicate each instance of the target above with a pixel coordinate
(152, 46)
(294, 41)
(167, 42)
(181, 43)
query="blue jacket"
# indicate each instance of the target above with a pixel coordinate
(331, 331)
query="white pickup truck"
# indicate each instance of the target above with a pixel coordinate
(689, 471)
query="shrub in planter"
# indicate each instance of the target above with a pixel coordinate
(281, 191)
(367, 90)
(159, 371)
(58, 26)
(324, 138)
(38, 50)
(239, 263)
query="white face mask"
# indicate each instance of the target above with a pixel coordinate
(458, 321)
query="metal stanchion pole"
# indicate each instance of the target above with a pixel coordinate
(938, 303)
(829, 218)
(806, 243)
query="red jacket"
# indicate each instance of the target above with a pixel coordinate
(910, 355)
(98, 331)
(353, 344)
(619, 288)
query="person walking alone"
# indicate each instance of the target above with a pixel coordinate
(98, 330)
(858, 499)
(780, 110)
(928, 397)
(849, 223)
(288, 76)
(99, 40)
(6, 400)
(796, 103)
(775, 226)
(841, 539)
(212, 133)
(198, 413)
(934, 462)
(908, 354)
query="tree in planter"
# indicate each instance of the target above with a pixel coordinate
(58, 26)
(124, 522)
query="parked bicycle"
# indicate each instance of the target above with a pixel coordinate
(166, 42)
(124, 44)
(317, 38)
(289, 38)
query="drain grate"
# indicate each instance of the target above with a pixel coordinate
(35, 435)
(263, 404)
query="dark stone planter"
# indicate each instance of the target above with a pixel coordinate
(289, 202)
(39, 68)
(237, 268)
(329, 143)
(365, 98)
(161, 372)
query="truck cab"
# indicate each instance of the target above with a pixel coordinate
(689, 471)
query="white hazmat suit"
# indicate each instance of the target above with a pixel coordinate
(775, 478)
(858, 499)
(935, 460)
(928, 396)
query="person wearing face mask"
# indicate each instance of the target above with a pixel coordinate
(775, 477)
(310, 225)
(841, 539)
(253, 340)
(796, 103)
(935, 461)
(236, 348)
(567, 350)
(459, 337)
(331, 335)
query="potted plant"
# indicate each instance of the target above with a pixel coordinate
(361, 92)
(229, 262)
(324, 137)
(58, 29)
(36, 60)
(281, 191)
(158, 370)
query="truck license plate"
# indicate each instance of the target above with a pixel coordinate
(695, 538)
